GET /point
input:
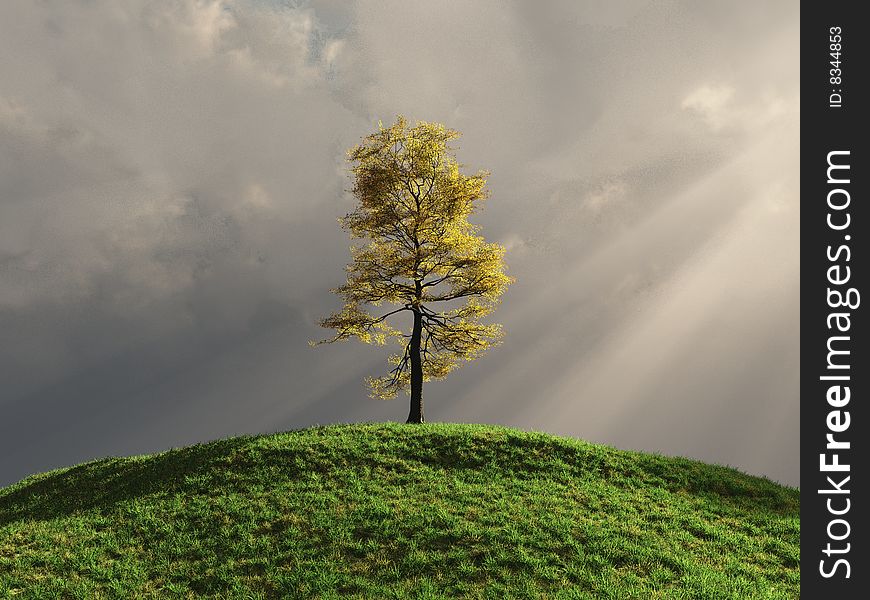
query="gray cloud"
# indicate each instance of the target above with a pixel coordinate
(170, 174)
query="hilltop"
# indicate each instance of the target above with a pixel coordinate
(398, 511)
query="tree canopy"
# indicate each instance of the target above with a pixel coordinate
(417, 253)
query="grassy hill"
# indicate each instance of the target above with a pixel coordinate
(396, 511)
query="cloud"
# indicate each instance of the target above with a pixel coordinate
(711, 103)
(716, 106)
(170, 175)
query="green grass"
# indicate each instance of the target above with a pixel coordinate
(398, 511)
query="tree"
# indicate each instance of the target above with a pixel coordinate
(419, 255)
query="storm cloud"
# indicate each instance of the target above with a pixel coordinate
(171, 172)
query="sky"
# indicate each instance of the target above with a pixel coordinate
(171, 172)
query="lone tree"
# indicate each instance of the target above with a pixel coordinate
(418, 254)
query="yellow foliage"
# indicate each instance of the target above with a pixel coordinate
(418, 253)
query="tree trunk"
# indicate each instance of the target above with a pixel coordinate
(416, 414)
